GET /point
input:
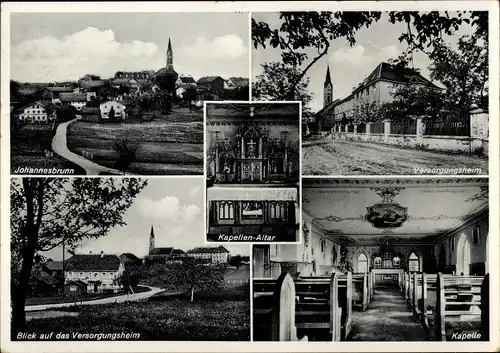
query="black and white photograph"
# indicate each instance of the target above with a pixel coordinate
(252, 171)
(122, 259)
(383, 93)
(120, 93)
(381, 260)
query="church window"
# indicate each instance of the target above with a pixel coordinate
(463, 256)
(226, 210)
(476, 234)
(322, 245)
(413, 263)
(277, 210)
(362, 263)
(452, 243)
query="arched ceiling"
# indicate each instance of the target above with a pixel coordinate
(378, 210)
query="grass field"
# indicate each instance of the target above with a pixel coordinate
(28, 150)
(172, 320)
(170, 144)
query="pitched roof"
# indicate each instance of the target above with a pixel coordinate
(93, 263)
(161, 251)
(120, 81)
(389, 72)
(328, 79)
(187, 79)
(240, 81)
(178, 252)
(73, 97)
(33, 103)
(54, 265)
(208, 79)
(27, 90)
(76, 282)
(166, 70)
(59, 89)
(91, 83)
(203, 250)
(90, 110)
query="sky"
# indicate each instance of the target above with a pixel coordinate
(49, 47)
(174, 206)
(349, 66)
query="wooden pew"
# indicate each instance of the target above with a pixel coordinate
(372, 275)
(360, 290)
(485, 308)
(274, 309)
(345, 303)
(417, 294)
(458, 302)
(318, 310)
(427, 301)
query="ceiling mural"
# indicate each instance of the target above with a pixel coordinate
(405, 209)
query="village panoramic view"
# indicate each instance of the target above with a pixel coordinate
(134, 108)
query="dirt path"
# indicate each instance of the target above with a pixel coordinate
(59, 146)
(109, 300)
(334, 157)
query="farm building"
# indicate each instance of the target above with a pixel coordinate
(75, 287)
(90, 114)
(77, 100)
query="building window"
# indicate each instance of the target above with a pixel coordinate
(476, 236)
(81, 274)
(413, 263)
(322, 245)
(226, 210)
(96, 274)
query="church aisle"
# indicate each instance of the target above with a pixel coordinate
(386, 319)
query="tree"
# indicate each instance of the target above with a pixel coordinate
(49, 212)
(111, 114)
(14, 88)
(126, 147)
(166, 82)
(123, 89)
(300, 31)
(235, 261)
(190, 95)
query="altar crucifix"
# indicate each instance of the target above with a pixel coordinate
(251, 151)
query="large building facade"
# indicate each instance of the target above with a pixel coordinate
(378, 87)
(253, 170)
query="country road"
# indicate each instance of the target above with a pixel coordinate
(110, 300)
(60, 146)
(334, 157)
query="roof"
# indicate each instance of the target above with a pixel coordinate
(93, 263)
(178, 252)
(328, 79)
(91, 83)
(90, 110)
(60, 89)
(161, 251)
(45, 278)
(219, 249)
(166, 70)
(27, 90)
(32, 103)
(120, 81)
(187, 79)
(240, 81)
(169, 44)
(388, 72)
(208, 79)
(73, 97)
(54, 265)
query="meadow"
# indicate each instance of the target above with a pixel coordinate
(170, 144)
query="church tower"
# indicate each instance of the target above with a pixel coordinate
(327, 88)
(151, 240)
(170, 56)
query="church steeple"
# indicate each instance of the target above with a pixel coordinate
(327, 88)
(170, 56)
(152, 240)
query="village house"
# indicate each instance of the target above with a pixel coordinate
(165, 255)
(77, 100)
(133, 85)
(117, 107)
(213, 83)
(37, 112)
(214, 255)
(185, 82)
(92, 114)
(98, 271)
(75, 288)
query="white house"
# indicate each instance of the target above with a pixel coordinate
(77, 100)
(118, 108)
(36, 112)
(185, 81)
(100, 272)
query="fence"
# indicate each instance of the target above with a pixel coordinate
(452, 124)
(377, 127)
(350, 128)
(361, 129)
(404, 127)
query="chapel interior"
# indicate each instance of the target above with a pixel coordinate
(380, 260)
